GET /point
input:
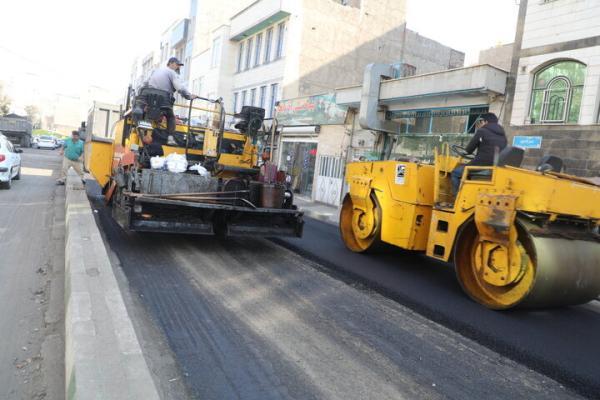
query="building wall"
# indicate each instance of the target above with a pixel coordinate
(525, 75)
(498, 56)
(578, 146)
(558, 21)
(211, 15)
(337, 42)
(548, 32)
(428, 55)
(267, 71)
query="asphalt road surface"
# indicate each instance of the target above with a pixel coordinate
(31, 281)
(563, 343)
(248, 319)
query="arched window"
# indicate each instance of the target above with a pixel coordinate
(557, 92)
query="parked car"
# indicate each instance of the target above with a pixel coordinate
(60, 142)
(47, 142)
(10, 162)
(34, 142)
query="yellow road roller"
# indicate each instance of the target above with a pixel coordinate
(517, 237)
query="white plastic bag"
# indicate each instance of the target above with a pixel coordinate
(176, 163)
(201, 170)
(157, 162)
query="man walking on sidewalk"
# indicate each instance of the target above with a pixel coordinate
(73, 157)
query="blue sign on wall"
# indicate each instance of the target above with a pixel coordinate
(527, 142)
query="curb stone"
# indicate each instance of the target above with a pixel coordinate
(103, 357)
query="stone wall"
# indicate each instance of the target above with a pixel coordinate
(427, 55)
(498, 56)
(578, 146)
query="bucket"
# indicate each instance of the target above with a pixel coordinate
(272, 195)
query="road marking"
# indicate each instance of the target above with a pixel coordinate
(36, 171)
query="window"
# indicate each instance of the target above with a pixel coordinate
(268, 42)
(557, 92)
(240, 57)
(216, 53)
(252, 96)
(248, 53)
(257, 49)
(274, 93)
(243, 101)
(262, 96)
(280, 40)
(197, 86)
(459, 120)
(235, 102)
(408, 70)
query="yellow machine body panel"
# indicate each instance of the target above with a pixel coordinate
(404, 193)
(98, 157)
(237, 151)
(180, 150)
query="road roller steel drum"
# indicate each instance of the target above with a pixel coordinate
(517, 237)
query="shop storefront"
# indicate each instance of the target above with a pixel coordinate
(298, 158)
(299, 151)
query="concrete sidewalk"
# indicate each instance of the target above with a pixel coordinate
(103, 358)
(323, 212)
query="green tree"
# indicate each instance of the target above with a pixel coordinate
(4, 102)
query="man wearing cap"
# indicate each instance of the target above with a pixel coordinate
(488, 139)
(167, 79)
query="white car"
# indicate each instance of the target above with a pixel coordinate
(46, 142)
(10, 162)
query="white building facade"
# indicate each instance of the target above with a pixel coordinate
(554, 88)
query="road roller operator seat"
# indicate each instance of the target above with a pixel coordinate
(509, 156)
(550, 163)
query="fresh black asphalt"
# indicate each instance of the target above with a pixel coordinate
(563, 343)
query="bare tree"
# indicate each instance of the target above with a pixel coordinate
(33, 113)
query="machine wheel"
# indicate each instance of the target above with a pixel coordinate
(360, 229)
(479, 281)
(544, 272)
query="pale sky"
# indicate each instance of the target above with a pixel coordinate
(64, 46)
(465, 25)
(52, 48)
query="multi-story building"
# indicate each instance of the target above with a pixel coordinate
(273, 49)
(554, 86)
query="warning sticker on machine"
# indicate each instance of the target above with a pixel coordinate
(400, 174)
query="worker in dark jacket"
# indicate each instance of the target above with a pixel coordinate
(488, 139)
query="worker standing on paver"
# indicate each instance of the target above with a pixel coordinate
(167, 79)
(73, 157)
